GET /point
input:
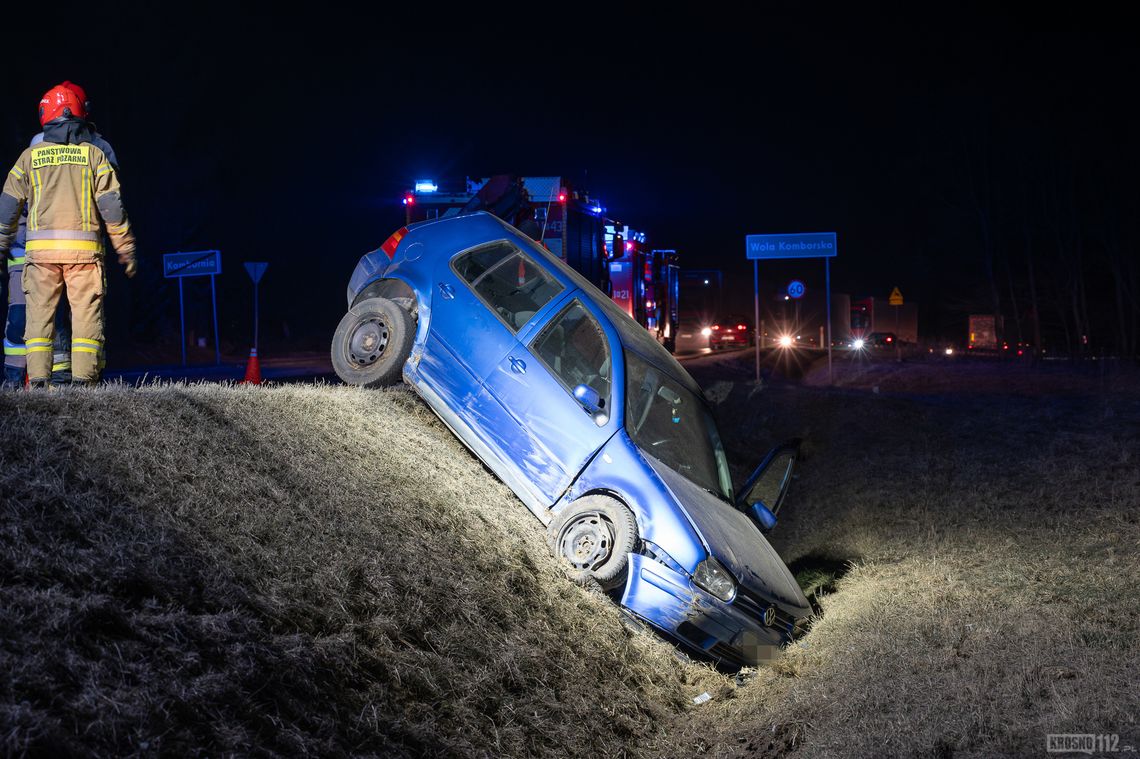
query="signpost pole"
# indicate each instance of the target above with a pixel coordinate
(256, 270)
(182, 319)
(896, 300)
(214, 298)
(827, 278)
(898, 343)
(756, 321)
(256, 317)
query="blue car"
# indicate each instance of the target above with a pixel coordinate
(590, 421)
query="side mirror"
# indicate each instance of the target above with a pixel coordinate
(764, 518)
(592, 402)
(764, 492)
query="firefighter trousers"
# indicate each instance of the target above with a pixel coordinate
(86, 286)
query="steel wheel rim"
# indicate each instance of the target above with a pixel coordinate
(587, 541)
(367, 342)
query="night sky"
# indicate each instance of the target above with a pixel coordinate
(289, 138)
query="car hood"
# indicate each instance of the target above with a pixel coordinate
(735, 541)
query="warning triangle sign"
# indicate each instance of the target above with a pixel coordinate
(896, 297)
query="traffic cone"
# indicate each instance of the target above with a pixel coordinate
(252, 370)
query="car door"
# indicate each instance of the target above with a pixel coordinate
(553, 434)
(481, 297)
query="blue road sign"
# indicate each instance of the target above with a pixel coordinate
(806, 245)
(796, 289)
(196, 264)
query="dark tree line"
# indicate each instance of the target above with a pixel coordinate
(1040, 203)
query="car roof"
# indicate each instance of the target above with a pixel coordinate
(473, 229)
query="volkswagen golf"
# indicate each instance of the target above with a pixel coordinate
(596, 428)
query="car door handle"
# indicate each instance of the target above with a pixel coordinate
(517, 365)
(446, 290)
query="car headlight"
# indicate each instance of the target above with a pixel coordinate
(706, 331)
(713, 578)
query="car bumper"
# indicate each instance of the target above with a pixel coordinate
(667, 600)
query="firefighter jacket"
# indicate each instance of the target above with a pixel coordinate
(71, 191)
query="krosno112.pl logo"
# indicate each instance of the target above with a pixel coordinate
(1084, 743)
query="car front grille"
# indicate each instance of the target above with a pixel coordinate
(753, 606)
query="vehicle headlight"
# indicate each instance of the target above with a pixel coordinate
(712, 577)
(706, 331)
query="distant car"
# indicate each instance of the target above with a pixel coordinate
(880, 340)
(731, 331)
(588, 419)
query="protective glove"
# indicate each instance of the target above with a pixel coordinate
(131, 267)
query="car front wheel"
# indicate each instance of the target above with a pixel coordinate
(372, 342)
(595, 535)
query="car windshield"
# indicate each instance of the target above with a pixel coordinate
(672, 424)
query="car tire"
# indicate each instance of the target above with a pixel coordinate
(595, 535)
(372, 342)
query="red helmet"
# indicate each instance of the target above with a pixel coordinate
(65, 99)
(79, 93)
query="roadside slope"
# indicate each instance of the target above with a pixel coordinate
(300, 570)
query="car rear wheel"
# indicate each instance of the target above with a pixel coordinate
(595, 535)
(372, 342)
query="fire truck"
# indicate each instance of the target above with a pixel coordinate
(573, 226)
(645, 282)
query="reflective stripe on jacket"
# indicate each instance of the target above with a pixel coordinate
(72, 194)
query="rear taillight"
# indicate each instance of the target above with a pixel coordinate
(716, 326)
(390, 245)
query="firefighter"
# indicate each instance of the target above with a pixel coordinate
(61, 350)
(14, 350)
(71, 190)
(15, 359)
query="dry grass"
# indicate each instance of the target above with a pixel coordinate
(991, 522)
(323, 570)
(299, 570)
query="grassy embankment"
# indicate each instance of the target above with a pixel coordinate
(323, 570)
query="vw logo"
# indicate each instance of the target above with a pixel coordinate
(769, 616)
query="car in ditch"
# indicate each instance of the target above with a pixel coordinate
(596, 428)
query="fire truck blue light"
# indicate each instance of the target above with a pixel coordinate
(426, 185)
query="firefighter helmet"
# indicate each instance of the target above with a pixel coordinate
(81, 94)
(65, 99)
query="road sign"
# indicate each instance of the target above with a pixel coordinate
(196, 264)
(199, 263)
(896, 297)
(256, 269)
(804, 245)
(796, 289)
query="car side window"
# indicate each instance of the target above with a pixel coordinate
(511, 283)
(575, 348)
